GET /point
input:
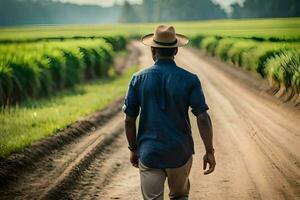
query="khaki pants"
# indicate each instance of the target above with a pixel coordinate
(152, 182)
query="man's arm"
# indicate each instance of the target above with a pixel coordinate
(206, 133)
(130, 129)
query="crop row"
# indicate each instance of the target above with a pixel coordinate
(118, 42)
(39, 69)
(279, 62)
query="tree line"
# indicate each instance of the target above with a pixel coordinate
(182, 10)
(22, 12)
(171, 10)
(266, 9)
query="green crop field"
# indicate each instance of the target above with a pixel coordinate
(43, 85)
(261, 28)
(39, 69)
(42, 67)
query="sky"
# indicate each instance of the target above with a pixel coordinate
(100, 2)
(223, 3)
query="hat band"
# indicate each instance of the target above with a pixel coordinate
(165, 43)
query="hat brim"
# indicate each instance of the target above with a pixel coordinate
(182, 40)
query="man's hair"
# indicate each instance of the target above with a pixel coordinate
(165, 52)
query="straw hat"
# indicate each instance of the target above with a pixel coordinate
(165, 37)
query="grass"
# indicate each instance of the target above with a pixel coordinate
(33, 120)
(282, 28)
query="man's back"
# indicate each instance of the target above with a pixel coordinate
(163, 93)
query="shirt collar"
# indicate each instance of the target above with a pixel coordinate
(165, 62)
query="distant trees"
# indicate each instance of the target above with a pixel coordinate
(150, 10)
(170, 10)
(129, 14)
(176, 10)
(18, 12)
(185, 10)
(267, 8)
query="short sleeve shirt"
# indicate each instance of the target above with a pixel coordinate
(161, 96)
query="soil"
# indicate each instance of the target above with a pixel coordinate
(123, 62)
(257, 142)
(12, 167)
(256, 139)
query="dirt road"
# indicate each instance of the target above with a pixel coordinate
(257, 144)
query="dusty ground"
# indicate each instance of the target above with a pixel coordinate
(257, 142)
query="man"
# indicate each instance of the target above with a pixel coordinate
(162, 95)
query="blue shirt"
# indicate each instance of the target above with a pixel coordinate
(162, 95)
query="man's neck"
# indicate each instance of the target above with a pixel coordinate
(164, 58)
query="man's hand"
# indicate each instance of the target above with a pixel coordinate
(206, 132)
(209, 158)
(134, 159)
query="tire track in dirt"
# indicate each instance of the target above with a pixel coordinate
(110, 171)
(87, 150)
(57, 171)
